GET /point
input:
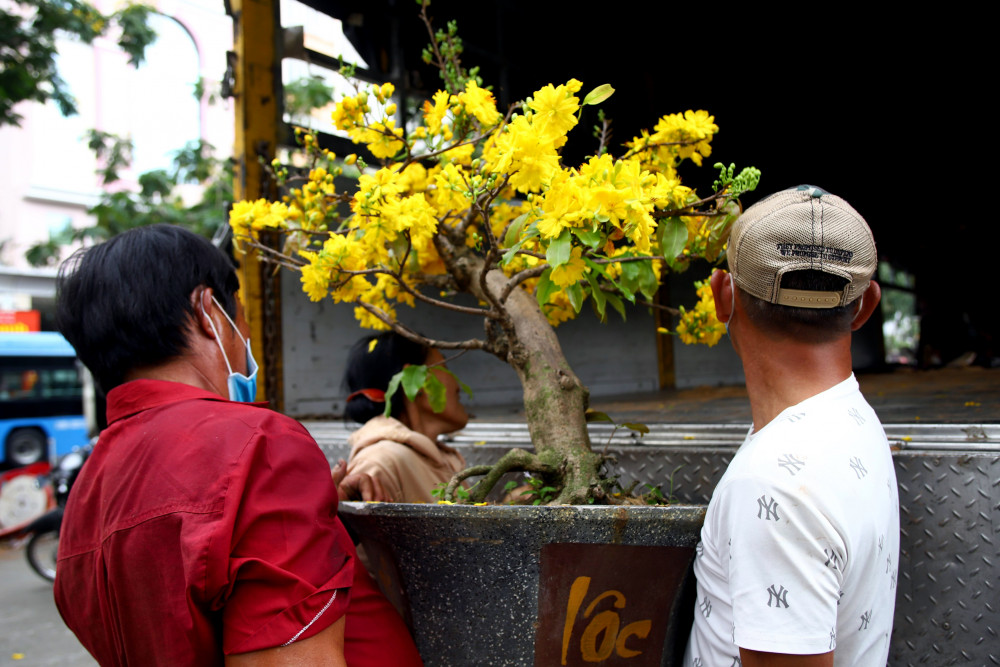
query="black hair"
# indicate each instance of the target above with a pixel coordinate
(373, 370)
(811, 325)
(126, 303)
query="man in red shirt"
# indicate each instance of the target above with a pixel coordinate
(204, 528)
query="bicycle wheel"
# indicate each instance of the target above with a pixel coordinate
(41, 552)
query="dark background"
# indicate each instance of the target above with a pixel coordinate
(884, 107)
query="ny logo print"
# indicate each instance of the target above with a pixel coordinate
(779, 597)
(697, 663)
(794, 418)
(791, 464)
(892, 581)
(769, 507)
(832, 559)
(858, 467)
(865, 618)
(833, 638)
(853, 412)
(706, 607)
(736, 662)
(881, 543)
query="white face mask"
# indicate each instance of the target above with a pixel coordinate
(241, 387)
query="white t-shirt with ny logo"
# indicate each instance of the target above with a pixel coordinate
(800, 548)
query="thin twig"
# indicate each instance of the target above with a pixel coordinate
(471, 344)
(275, 256)
(647, 146)
(426, 156)
(602, 143)
(649, 304)
(420, 296)
(622, 260)
(519, 278)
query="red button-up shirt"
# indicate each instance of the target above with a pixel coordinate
(201, 527)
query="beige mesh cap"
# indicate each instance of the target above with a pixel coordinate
(798, 229)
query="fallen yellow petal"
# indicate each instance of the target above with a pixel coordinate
(17, 656)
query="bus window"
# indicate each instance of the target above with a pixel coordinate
(41, 398)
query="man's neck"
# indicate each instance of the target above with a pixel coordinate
(184, 370)
(785, 373)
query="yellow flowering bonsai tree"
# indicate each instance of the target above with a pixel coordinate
(472, 199)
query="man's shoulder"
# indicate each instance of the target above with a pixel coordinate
(824, 417)
(215, 413)
(195, 426)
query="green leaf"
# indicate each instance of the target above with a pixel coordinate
(597, 294)
(436, 393)
(530, 233)
(617, 304)
(599, 94)
(591, 238)
(464, 387)
(558, 252)
(511, 252)
(545, 288)
(390, 392)
(598, 268)
(596, 416)
(648, 282)
(629, 280)
(413, 380)
(514, 230)
(675, 236)
(397, 247)
(575, 294)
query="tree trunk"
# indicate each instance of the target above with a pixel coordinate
(555, 401)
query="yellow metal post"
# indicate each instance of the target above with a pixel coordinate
(256, 85)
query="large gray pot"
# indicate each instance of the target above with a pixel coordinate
(505, 585)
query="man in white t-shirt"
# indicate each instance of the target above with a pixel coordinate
(799, 553)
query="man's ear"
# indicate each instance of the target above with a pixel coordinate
(868, 303)
(722, 292)
(201, 303)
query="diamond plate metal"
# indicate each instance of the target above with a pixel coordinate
(948, 596)
(947, 602)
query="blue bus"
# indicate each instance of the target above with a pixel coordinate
(42, 398)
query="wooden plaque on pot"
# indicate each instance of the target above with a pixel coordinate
(611, 605)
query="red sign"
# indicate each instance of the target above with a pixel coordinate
(17, 321)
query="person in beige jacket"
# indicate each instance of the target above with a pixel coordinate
(402, 451)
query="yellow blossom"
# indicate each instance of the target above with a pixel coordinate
(700, 325)
(480, 103)
(435, 112)
(555, 109)
(572, 271)
(384, 140)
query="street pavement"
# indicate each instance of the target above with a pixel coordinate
(31, 631)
